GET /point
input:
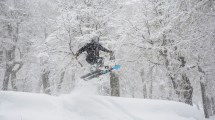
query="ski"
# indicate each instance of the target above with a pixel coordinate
(98, 73)
(89, 74)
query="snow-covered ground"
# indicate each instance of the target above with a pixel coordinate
(211, 118)
(74, 106)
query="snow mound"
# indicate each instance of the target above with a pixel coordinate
(31, 106)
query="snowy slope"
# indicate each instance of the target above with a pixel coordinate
(31, 106)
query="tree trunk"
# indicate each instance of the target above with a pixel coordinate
(209, 106)
(6, 77)
(13, 80)
(204, 100)
(151, 88)
(114, 84)
(188, 90)
(45, 81)
(151, 83)
(144, 91)
(144, 84)
(73, 80)
(13, 32)
(188, 95)
(213, 105)
(61, 80)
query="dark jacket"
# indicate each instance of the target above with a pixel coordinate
(92, 49)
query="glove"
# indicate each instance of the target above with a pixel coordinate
(76, 55)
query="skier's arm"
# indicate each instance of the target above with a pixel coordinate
(104, 49)
(84, 48)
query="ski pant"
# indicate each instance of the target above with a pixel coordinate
(92, 60)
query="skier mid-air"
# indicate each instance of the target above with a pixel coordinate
(92, 50)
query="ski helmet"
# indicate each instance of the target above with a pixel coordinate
(95, 39)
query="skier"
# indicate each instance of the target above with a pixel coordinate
(92, 50)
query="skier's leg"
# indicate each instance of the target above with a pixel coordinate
(90, 60)
(93, 68)
(100, 61)
(94, 63)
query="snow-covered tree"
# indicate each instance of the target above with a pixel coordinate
(14, 44)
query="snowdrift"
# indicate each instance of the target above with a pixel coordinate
(31, 106)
